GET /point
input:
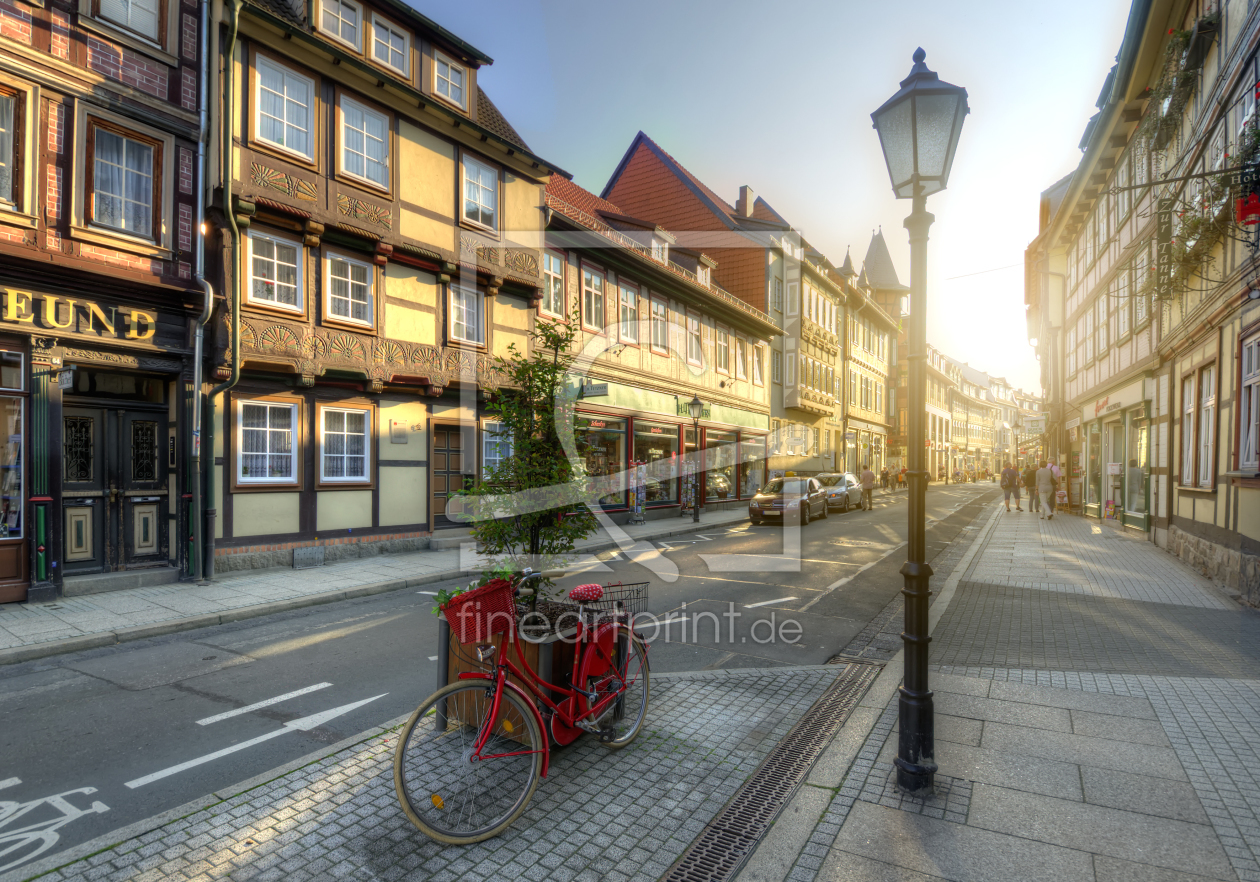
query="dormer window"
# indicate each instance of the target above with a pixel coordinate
(391, 46)
(702, 275)
(449, 79)
(659, 250)
(342, 19)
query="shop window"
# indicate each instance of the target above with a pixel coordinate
(266, 442)
(11, 107)
(350, 290)
(629, 320)
(1207, 426)
(11, 375)
(467, 318)
(365, 145)
(1249, 410)
(601, 445)
(124, 181)
(593, 299)
(285, 108)
(496, 446)
(553, 285)
(752, 463)
(660, 325)
(391, 46)
(657, 445)
(275, 271)
(344, 444)
(11, 461)
(720, 461)
(144, 17)
(481, 193)
(448, 79)
(342, 19)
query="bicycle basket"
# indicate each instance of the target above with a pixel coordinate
(475, 615)
(619, 599)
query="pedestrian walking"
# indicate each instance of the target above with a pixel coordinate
(868, 487)
(1045, 491)
(1030, 486)
(1010, 485)
(883, 478)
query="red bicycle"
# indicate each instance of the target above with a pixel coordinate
(470, 757)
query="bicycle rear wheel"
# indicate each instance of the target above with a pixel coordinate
(444, 791)
(623, 720)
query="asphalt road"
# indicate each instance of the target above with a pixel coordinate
(155, 724)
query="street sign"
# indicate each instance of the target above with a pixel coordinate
(594, 390)
(65, 379)
(1163, 248)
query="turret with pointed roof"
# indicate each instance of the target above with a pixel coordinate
(879, 267)
(846, 269)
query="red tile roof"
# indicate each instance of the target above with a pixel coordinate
(579, 197)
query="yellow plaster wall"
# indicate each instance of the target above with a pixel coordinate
(343, 509)
(522, 211)
(404, 321)
(428, 170)
(511, 318)
(411, 414)
(260, 514)
(404, 496)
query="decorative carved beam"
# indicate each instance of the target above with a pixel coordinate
(313, 231)
(383, 253)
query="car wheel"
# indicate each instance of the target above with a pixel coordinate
(826, 509)
(756, 522)
(804, 514)
(844, 504)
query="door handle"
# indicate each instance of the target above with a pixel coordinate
(113, 494)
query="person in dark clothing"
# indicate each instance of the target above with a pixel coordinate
(1010, 485)
(1030, 485)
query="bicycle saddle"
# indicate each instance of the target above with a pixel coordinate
(586, 593)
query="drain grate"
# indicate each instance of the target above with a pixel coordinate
(728, 840)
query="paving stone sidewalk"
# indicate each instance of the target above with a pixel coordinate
(620, 816)
(1122, 744)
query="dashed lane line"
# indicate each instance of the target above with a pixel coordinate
(768, 602)
(249, 708)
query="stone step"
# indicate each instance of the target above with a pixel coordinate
(99, 583)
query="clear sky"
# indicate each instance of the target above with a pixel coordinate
(778, 95)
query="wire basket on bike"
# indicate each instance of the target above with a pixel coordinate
(625, 601)
(475, 615)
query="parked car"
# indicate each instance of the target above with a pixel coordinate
(843, 490)
(782, 498)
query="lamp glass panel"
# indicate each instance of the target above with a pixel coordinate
(935, 128)
(897, 139)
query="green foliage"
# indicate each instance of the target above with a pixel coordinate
(530, 510)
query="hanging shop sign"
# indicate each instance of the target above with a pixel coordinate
(48, 312)
(1163, 248)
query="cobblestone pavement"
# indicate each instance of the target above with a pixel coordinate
(599, 815)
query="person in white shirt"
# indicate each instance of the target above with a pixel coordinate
(1045, 491)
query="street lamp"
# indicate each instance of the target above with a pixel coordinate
(697, 410)
(918, 132)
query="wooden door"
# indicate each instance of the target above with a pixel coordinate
(452, 466)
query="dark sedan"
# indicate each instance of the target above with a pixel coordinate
(794, 498)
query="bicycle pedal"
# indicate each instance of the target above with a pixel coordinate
(607, 735)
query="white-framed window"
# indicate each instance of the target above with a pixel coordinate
(660, 325)
(391, 45)
(284, 102)
(776, 366)
(593, 299)
(629, 313)
(758, 379)
(349, 284)
(1187, 431)
(496, 446)
(722, 350)
(466, 315)
(1249, 414)
(266, 443)
(449, 79)
(275, 271)
(553, 284)
(364, 143)
(695, 351)
(481, 193)
(123, 171)
(741, 358)
(342, 19)
(142, 16)
(344, 444)
(776, 295)
(1207, 426)
(879, 398)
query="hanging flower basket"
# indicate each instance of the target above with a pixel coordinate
(1247, 210)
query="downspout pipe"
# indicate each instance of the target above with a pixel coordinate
(227, 124)
(194, 509)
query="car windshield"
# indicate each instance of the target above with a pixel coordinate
(829, 480)
(787, 485)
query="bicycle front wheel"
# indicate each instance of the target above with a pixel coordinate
(451, 795)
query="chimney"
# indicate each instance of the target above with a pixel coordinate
(744, 205)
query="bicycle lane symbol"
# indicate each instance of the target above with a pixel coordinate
(41, 819)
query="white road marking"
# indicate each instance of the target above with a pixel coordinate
(10, 782)
(433, 658)
(768, 602)
(748, 581)
(253, 707)
(305, 725)
(836, 584)
(430, 593)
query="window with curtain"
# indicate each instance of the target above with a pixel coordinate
(123, 189)
(1249, 406)
(391, 46)
(756, 366)
(284, 108)
(629, 313)
(9, 110)
(142, 16)
(365, 143)
(1187, 431)
(466, 315)
(350, 290)
(481, 192)
(1207, 426)
(496, 446)
(341, 19)
(344, 437)
(553, 284)
(741, 359)
(722, 352)
(448, 79)
(275, 271)
(660, 325)
(268, 452)
(695, 351)
(593, 299)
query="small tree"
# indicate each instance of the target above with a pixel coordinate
(528, 510)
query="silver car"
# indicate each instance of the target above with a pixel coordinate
(844, 491)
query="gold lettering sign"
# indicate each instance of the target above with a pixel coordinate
(55, 313)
